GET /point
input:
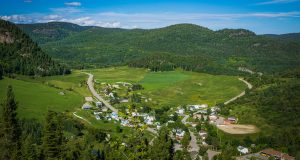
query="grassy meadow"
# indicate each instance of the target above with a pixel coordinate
(175, 87)
(36, 96)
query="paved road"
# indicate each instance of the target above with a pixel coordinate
(193, 143)
(193, 146)
(241, 94)
(90, 84)
(211, 154)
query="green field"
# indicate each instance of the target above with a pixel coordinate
(175, 87)
(36, 96)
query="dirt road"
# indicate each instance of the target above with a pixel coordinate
(241, 94)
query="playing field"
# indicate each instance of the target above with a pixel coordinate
(36, 96)
(238, 129)
(175, 87)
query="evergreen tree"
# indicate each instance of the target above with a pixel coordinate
(29, 150)
(11, 132)
(53, 136)
(1, 71)
(162, 146)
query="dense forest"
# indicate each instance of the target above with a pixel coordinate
(187, 46)
(19, 54)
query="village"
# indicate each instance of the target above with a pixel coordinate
(185, 120)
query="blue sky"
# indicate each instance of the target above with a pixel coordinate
(260, 16)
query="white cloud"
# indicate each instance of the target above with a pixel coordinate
(66, 10)
(75, 4)
(156, 20)
(88, 21)
(276, 2)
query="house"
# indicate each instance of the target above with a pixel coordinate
(180, 111)
(232, 119)
(242, 150)
(124, 101)
(135, 114)
(197, 116)
(97, 117)
(203, 134)
(114, 115)
(99, 104)
(269, 152)
(197, 107)
(86, 106)
(213, 117)
(149, 120)
(179, 133)
(111, 95)
(124, 122)
(97, 113)
(203, 111)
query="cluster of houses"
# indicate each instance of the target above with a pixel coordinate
(263, 155)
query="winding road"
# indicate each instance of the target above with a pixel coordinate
(241, 94)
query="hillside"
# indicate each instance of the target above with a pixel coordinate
(52, 31)
(272, 105)
(187, 46)
(19, 54)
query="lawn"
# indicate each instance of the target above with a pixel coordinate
(175, 87)
(36, 96)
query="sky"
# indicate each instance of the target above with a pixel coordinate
(260, 16)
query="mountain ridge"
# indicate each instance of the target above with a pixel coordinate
(225, 49)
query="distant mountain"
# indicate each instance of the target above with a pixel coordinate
(188, 46)
(19, 54)
(288, 36)
(52, 31)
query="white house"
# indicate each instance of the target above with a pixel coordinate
(178, 132)
(124, 122)
(149, 120)
(243, 150)
(99, 104)
(180, 111)
(97, 117)
(111, 95)
(114, 115)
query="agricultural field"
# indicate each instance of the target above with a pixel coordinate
(36, 96)
(174, 87)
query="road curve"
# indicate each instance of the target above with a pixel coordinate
(90, 84)
(241, 94)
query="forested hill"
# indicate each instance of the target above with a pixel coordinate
(19, 54)
(187, 46)
(52, 31)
